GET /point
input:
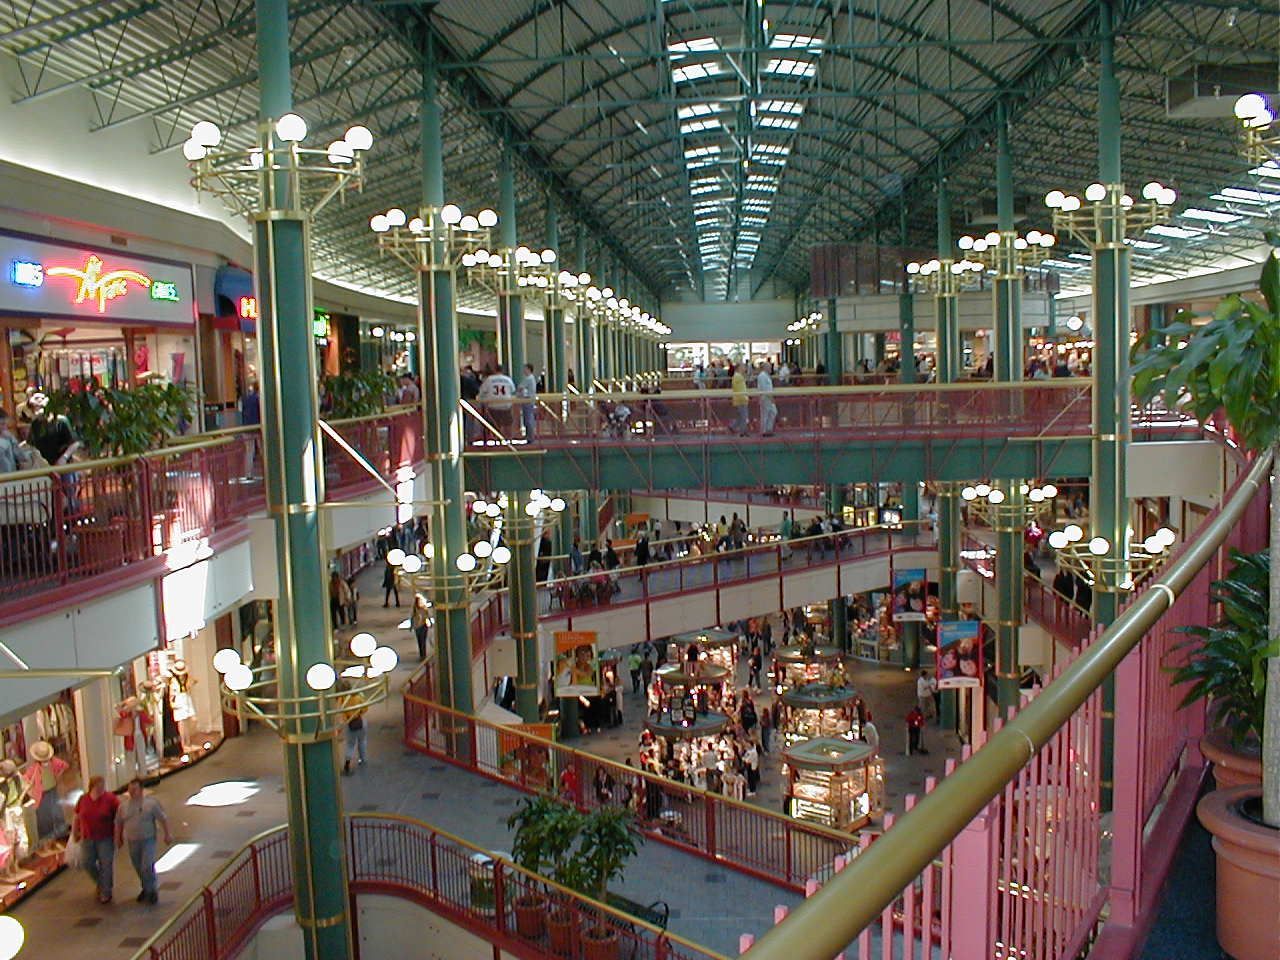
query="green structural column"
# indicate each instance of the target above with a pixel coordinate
(553, 322)
(877, 349)
(1158, 320)
(906, 314)
(294, 470)
(909, 632)
(1007, 325)
(837, 608)
(835, 348)
(950, 355)
(510, 304)
(522, 535)
(1108, 505)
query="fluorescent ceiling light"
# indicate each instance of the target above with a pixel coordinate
(790, 67)
(1211, 216)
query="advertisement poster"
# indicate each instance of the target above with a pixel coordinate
(959, 654)
(577, 664)
(910, 594)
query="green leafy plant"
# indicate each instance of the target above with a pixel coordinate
(606, 841)
(545, 831)
(1227, 662)
(360, 393)
(114, 422)
(1231, 363)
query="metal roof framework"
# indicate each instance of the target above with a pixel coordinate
(703, 146)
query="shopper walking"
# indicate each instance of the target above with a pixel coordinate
(357, 737)
(766, 728)
(420, 621)
(768, 409)
(94, 829)
(751, 763)
(646, 670)
(915, 731)
(634, 663)
(138, 819)
(755, 665)
(389, 585)
(528, 392)
(740, 401)
(924, 695)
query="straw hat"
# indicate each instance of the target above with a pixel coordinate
(41, 752)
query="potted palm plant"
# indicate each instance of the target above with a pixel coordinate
(608, 839)
(1226, 666)
(545, 831)
(1231, 363)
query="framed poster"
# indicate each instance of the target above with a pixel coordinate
(959, 656)
(910, 594)
(577, 664)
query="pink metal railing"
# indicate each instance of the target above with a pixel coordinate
(768, 562)
(64, 526)
(409, 859)
(1061, 617)
(745, 837)
(1051, 409)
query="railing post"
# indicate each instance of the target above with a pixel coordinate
(499, 898)
(709, 813)
(973, 897)
(787, 854)
(1127, 820)
(211, 924)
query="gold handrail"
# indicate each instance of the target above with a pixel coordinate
(826, 923)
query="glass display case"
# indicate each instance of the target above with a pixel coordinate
(819, 710)
(834, 782)
(672, 681)
(716, 645)
(796, 666)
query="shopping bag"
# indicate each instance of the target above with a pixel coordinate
(73, 855)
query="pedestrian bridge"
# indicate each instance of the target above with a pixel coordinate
(845, 434)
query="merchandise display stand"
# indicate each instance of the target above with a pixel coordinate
(819, 710)
(715, 645)
(835, 782)
(672, 681)
(799, 665)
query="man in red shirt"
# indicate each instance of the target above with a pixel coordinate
(915, 731)
(95, 829)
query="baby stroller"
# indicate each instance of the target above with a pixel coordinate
(618, 421)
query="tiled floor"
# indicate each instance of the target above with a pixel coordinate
(63, 920)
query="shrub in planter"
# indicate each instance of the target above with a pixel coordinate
(545, 830)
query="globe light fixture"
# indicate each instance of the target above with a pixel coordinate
(321, 676)
(225, 659)
(363, 644)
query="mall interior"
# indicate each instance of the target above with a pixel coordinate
(639, 480)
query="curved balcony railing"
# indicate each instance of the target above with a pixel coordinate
(401, 857)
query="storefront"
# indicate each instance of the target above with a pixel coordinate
(73, 314)
(229, 346)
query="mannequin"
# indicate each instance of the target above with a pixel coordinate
(134, 723)
(14, 841)
(184, 707)
(41, 774)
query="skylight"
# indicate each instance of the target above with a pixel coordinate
(1268, 169)
(1143, 244)
(1240, 195)
(709, 150)
(1211, 216)
(698, 110)
(704, 189)
(754, 220)
(794, 41)
(789, 67)
(696, 45)
(780, 106)
(698, 126)
(779, 123)
(1177, 233)
(778, 149)
(697, 71)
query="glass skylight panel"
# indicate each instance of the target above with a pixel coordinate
(1268, 169)
(703, 189)
(772, 122)
(698, 126)
(707, 221)
(1211, 216)
(696, 45)
(777, 149)
(697, 71)
(794, 107)
(1240, 195)
(1080, 256)
(790, 67)
(754, 220)
(794, 41)
(698, 110)
(1143, 244)
(709, 150)
(1176, 233)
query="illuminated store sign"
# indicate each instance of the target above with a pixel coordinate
(50, 279)
(249, 308)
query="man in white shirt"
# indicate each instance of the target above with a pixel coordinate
(497, 393)
(528, 390)
(768, 409)
(925, 686)
(784, 375)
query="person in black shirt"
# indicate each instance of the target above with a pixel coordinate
(611, 561)
(50, 433)
(542, 569)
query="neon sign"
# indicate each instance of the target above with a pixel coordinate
(164, 290)
(24, 273)
(249, 308)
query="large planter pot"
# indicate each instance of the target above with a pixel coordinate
(531, 913)
(1248, 859)
(560, 924)
(1232, 767)
(599, 943)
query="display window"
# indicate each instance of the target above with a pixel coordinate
(796, 666)
(818, 710)
(719, 647)
(833, 782)
(675, 689)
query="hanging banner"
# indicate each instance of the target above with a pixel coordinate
(577, 664)
(959, 654)
(910, 593)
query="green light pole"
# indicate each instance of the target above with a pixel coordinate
(510, 305)
(554, 315)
